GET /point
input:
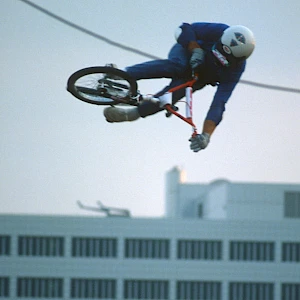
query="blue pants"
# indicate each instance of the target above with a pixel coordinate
(175, 67)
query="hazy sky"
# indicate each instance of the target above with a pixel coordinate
(56, 150)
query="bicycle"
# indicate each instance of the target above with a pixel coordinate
(105, 85)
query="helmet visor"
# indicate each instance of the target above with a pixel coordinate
(224, 56)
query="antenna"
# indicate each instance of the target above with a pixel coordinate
(109, 211)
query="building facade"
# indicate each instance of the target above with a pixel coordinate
(211, 245)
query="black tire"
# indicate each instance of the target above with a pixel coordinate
(103, 86)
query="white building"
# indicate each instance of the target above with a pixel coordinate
(224, 240)
(227, 200)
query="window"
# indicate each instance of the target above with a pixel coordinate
(4, 287)
(28, 287)
(146, 289)
(292, 204)
(40, 246)
(291, 251)
(251, 290)
(199, 249)
(194, 290)
(147, 248)
(4, 245)
(290, 291)
(94, 247)
(200, 210)
(93, 288)
(252, 251)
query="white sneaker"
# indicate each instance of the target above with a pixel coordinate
(111, 76)
(112, 66)
(116, 114)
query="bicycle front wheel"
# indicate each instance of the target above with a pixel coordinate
(102, 86)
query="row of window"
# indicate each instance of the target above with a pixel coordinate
(252, 251)
(94, 247)
(96, 288)
(199, 290)
(150, 248)
(199, 249)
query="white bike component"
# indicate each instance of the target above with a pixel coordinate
(189, 101)
(165, 99)
(150, 98)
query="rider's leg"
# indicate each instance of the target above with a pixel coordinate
(147, 108)
(175, 66)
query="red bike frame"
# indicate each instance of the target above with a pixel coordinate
(189, 103)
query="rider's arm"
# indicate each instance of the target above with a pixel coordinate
(223, 93)
(187, 35)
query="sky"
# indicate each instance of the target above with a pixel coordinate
(56, 150)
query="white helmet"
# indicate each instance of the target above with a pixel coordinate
(239, 41)
(236, 43)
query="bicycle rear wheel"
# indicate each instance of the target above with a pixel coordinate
(103, 86)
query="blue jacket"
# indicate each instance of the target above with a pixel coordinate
(207, 34)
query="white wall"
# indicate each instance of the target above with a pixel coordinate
(171, 269)
(224, 199)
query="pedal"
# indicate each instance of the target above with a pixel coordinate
(169, 114)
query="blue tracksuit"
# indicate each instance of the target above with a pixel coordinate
(178, 69)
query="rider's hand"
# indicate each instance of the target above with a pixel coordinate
(197, 58)
(199, 142)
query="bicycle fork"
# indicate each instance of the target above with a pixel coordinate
(188, 118)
